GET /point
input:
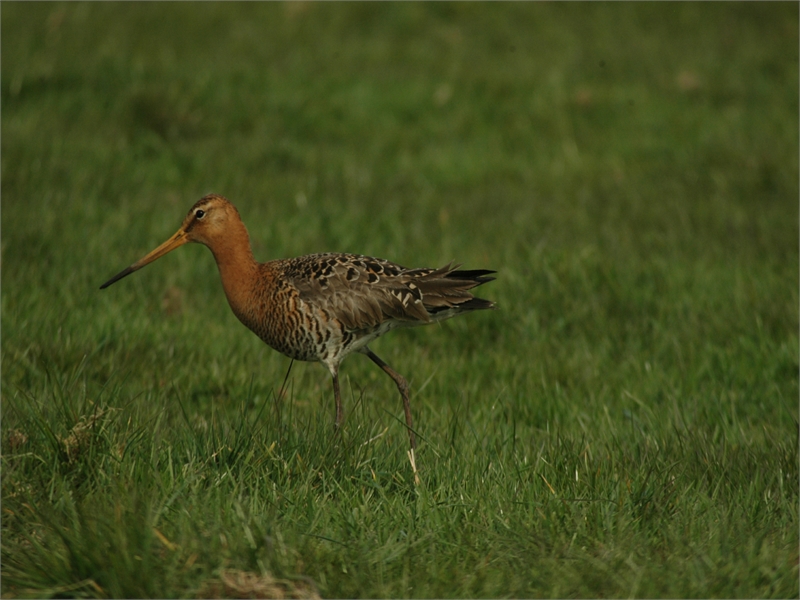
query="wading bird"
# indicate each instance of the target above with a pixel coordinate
(322, 307)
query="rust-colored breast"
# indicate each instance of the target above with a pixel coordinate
(275, 313)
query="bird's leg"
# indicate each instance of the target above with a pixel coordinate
(402, 386)
(337, 397)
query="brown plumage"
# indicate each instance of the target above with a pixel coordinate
(321, 306)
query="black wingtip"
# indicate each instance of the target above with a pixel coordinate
(117, 277)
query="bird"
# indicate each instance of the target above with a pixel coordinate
(322, 307)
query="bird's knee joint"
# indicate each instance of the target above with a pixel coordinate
(402, 385)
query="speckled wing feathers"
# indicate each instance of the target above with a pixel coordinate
(363, 292)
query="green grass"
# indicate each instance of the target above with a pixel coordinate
(626, 424)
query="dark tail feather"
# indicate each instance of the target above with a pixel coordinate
(456, 308)
(476, 304)
(479, 276)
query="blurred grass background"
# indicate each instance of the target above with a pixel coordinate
(625, 424)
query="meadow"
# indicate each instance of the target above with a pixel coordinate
(624, 424)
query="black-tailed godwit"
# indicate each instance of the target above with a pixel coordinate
(322, 307)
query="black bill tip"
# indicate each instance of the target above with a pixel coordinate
(117, 277)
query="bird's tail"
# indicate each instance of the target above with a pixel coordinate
(446, 291)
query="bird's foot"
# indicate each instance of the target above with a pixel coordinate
(413, 460)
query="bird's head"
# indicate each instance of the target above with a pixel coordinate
(208, 222)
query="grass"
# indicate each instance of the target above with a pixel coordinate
(626, 424)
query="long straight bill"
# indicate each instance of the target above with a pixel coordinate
(179, 239)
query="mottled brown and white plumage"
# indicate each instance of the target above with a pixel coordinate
(321, 307)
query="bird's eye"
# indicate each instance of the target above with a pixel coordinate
(199, 214)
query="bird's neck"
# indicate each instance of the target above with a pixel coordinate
(237, 268)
